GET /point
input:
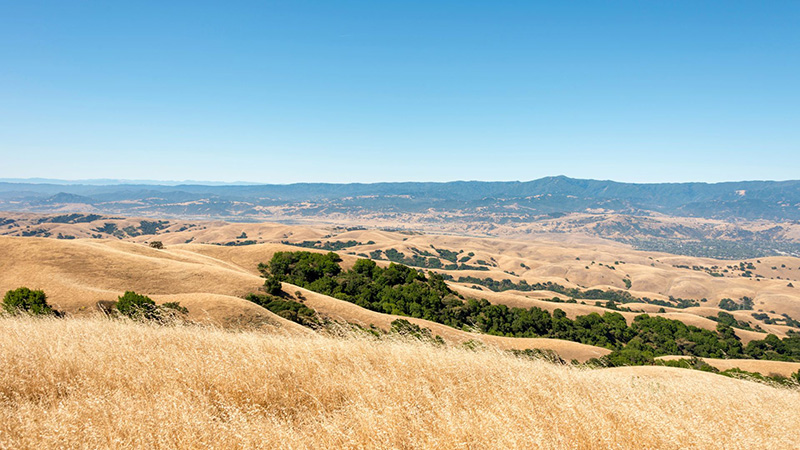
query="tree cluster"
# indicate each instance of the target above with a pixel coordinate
(403, 291)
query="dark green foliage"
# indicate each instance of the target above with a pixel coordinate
(148, 227)
(537, 353)
(396, 289)
(137, 306)
(36, 232)
(240, 243)
(158, 245)
(728, 320)
(426, 259)
(142, 307)
(272, 286)
(288, 309)
(405, 328)
(672, 337)
(433, 263)
(469, 267)
(769, 379)
(590, 294)
(628, 357)
(175, 306)
(730, 305)
(763, 317)
(71, 218)
(24, 300)
(694, 363)
(401, 290)
(627, 282)
(771, 347)
(448, 255)
(303, 268)
(789, 322)
(329, 245)
(107, 228)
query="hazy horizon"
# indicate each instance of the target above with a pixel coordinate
(111, 182)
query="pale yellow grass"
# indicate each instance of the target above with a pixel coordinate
(96, 383)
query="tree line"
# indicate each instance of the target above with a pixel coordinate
(403, 291)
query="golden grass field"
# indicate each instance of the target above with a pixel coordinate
(101, 383)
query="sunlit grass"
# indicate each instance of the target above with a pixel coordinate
(99, 383)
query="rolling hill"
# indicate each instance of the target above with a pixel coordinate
(211, 280)
(722, 220)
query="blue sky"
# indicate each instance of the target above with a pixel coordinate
(292, 91)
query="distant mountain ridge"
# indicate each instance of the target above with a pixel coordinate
(751, 200)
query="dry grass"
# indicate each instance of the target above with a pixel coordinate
(77, 273)
(96, 383)
(762, 366)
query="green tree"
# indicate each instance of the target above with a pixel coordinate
(272, 285)
(28, 301)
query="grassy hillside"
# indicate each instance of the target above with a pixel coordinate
(89, 383)
(210, 280)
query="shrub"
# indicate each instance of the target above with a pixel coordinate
(288, 309)
(137, 306)
(157, 245)
(142, 307)
(408, 329)
(28, 301)
(730, 305)
(174, 307)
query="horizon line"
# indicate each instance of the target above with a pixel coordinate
(148, 182)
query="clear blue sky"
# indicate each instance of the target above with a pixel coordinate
(290, 91)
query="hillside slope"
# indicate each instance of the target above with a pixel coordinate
(209, 280)
(75, 274)
(95, 383)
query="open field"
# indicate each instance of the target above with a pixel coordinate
(89, 383)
